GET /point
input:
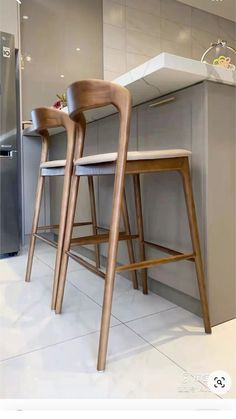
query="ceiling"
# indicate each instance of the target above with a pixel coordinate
(224, 8)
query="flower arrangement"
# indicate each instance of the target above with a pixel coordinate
(220, 49)
(61, 102)
(224, 62)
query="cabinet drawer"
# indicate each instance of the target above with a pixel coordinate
(166, 122)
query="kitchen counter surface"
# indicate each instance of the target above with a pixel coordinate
(163, 74)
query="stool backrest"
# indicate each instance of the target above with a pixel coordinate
(45, 118)
(89, 94)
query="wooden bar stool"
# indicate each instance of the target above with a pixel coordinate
(88, 94)
(44, 119)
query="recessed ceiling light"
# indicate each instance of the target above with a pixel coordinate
(78, 49)
(62, 76)
(25, 17)
(28, 58)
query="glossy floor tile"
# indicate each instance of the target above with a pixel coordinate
(14, 268)
(67, 370)
(156, 349)
(180, 335)
(28, 323)
(127, 303)
(49, 258)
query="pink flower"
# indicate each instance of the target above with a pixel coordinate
(57, 104)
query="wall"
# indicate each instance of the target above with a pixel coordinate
(50, 36)
(9, 18)
(136, 30)
(222, 8)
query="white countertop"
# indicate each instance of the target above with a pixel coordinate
(159, 76)
(166, 73)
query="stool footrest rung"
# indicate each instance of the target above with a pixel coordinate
(153, 262)
(86, 264)
(99, 238)
(102, 228)
(56, 226)
(166, 249)
(44, 239)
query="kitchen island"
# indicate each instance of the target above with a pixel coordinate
(178, 103)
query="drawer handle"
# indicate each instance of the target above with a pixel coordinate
(162, 102)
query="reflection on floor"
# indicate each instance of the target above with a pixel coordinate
(156, 349)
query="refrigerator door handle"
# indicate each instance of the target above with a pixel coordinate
(13, 153)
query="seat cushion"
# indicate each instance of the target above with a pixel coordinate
(133, 155)
(53, 163)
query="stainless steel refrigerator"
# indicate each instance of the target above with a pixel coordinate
(9, 173)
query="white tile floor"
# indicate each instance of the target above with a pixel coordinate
(156, 349)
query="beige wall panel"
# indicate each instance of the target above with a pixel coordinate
(50, 36)
(9, 18)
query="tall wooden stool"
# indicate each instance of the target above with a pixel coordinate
(44, 119)
(89, 94)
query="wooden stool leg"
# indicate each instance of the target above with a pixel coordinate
(67, 239)
(129, 242)
(38, 200)
(110, 272)
(62, 226)
(195, 243)
(139, 220)
(94, 218)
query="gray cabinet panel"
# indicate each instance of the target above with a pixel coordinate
(168, 126)
(221, 201)
(177, 124)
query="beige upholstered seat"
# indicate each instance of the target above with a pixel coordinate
(133, 155)
(110, 157)
(53, 163)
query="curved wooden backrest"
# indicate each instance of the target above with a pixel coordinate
(89, 94)
(45, 118)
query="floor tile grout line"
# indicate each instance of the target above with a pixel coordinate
(42, 261)
(88, 296)
(136, 318)
(53, 344)
(45, 263)
(170, 359)
(99, 305)
(152, 314)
